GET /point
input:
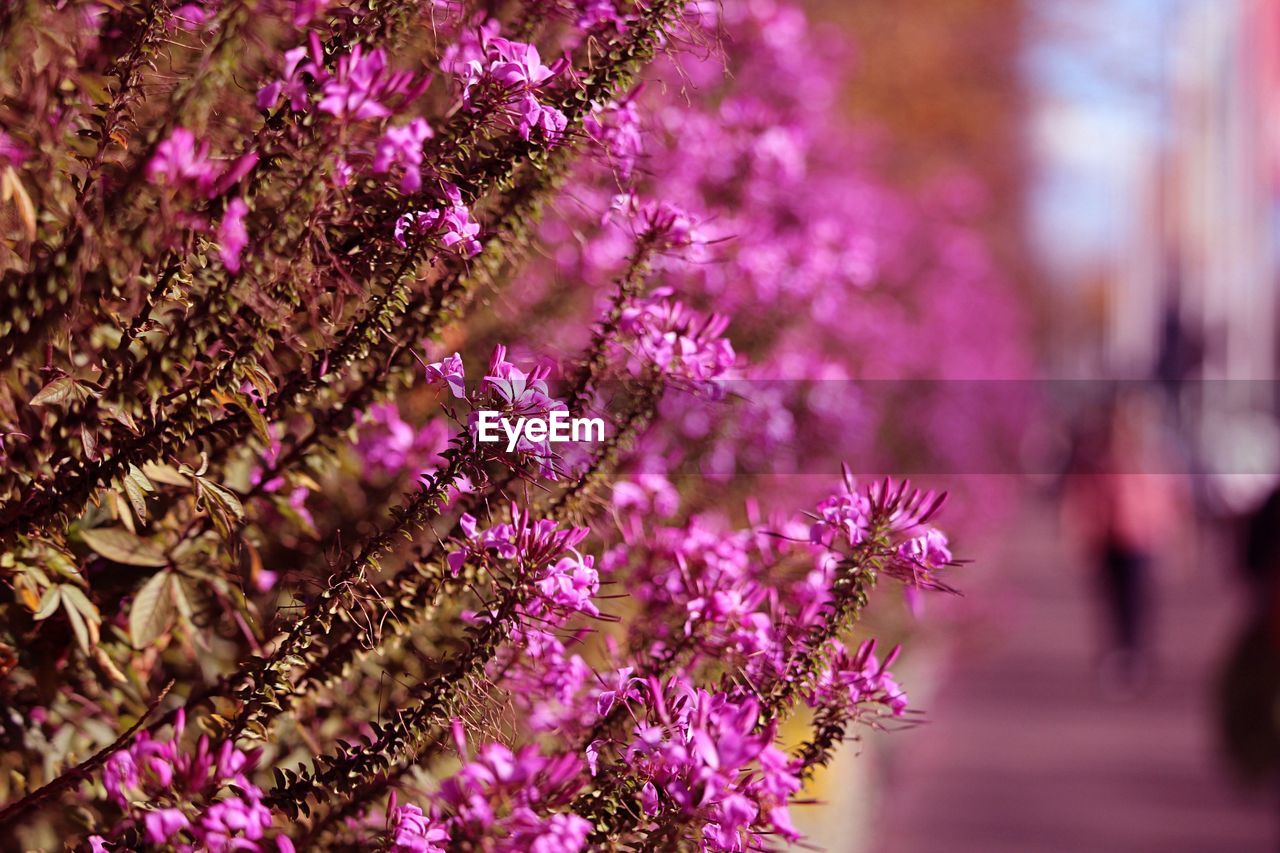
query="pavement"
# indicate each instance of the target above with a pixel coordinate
(1025, 752)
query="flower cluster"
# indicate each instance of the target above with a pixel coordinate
(402, 147)
(409, 829)
(501, 799)
(183, 166)
(451, 224)
(663, 333)
(179, 162)
(859, 679)
(616, 126)
(451, 372)
(360, 87)
(391, 445)
(157, 782)
(498, 73)
(255, 250)
(708, 762)
(533, 543)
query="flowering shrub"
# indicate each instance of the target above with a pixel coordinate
(267, 590)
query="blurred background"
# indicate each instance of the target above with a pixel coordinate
(1111, 678)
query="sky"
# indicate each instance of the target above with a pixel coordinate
(1097, 69)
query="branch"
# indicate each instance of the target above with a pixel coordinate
(82, 771)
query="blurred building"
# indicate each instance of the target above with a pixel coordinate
(1185, 288)
(1220, 211)
(1219, 234)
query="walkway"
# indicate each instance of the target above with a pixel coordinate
(1023, 754)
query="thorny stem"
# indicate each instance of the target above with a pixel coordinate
(399, 741)
(265, 679)
(51, 281)
(420, 583)
(43, 502)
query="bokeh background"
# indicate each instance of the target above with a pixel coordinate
(1108, 681)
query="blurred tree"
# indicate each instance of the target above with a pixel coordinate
(942, 78)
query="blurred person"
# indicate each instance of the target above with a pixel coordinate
(1180, 354)
(1121, 506)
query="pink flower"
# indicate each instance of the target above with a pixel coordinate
(232, 235)
(342, 173)
(452, 225)
(180, 163)
(921, 557)
(305, 10)
(451, 372)
(518, 394)
(411, 830)
(491, 801)
(291, 85)
(402, 146)
(11, 151)
(673, 225)
(680, 342)
(649, 495)
(516, 64)
(121, 772)
(501, 69)
(231, 821)
(561, 833)
(460, 231)
(929, 549)
(621, 690)
(570, 584)
(846, 515)
(548, 122)
(360, 86)
(857, 679)
(597, 12)
(471, 45)
(388, 443)
(537, 543)
(189, 16)
(163, 824)
(238, 168)
(616, 126)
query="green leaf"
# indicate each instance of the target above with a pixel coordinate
(89, 439)
(137, 499)
(153, 610)
(120, 416)
(224, 498)
(79, 627)
(136, 474)
(64, 564)
(182, 598)
(259, 379)
(48, 603)
(76, 598)
(255, 416)
(167, 474)
(223, 505)
(60, 390)
(121, 546)
(84, 617)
